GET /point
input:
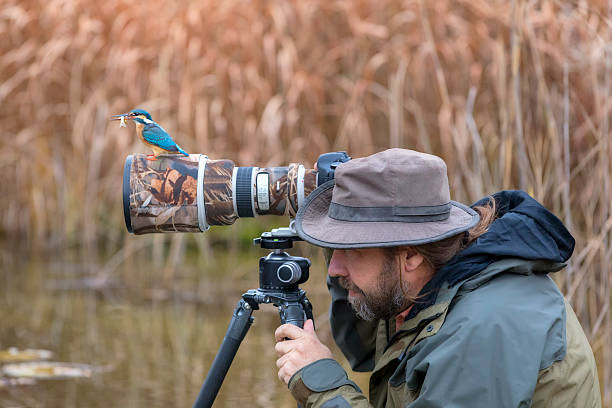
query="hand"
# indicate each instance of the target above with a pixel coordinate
(302, 348)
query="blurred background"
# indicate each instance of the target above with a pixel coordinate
(512, 94)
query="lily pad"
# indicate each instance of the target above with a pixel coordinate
(13, 382)
(13, 354)
(48, 370)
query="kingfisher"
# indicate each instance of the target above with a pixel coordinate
(151, 134)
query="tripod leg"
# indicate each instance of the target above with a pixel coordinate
(238, 328)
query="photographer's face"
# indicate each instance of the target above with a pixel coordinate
(372, 278)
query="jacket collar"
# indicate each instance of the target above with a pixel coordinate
(446, 293)
(429, 320)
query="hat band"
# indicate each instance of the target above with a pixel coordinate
(395, 214)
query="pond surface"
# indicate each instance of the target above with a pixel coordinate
(149, 333)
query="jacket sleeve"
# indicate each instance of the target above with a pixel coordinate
(325, 384)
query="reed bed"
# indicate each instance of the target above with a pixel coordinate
(512, 94)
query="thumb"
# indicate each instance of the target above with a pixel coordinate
(309, 326)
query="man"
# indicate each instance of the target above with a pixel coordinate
(447, 305)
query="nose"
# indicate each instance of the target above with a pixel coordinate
(337, 265)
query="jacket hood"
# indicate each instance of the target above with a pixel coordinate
(523, 229)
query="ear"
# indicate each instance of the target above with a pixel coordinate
(411, 260)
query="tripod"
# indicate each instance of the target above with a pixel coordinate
(279, 277)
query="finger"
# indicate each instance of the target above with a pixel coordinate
(283, 347)
(281, 375)
(283, 360)
(287, 331)
(309, 326)
(287, 378)
(286, 372)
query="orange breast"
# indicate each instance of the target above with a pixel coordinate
(139, 129)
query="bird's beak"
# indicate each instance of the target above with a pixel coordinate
(118, 117)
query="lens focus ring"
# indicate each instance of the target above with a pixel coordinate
(243, 193)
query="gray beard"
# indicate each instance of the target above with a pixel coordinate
(361, 308)
(368, 309)
(390, 296)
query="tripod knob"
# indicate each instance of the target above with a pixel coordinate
(289, 272)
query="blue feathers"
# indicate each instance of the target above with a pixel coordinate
(155, 135)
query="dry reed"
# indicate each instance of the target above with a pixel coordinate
(511, 94)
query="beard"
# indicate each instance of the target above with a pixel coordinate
(390, 296)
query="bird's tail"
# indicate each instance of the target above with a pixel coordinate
(181, 151)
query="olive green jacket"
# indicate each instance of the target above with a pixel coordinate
(505, 337)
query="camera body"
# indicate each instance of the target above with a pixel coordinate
(327, 164)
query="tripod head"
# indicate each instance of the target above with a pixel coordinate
(279, 277)
(278, 238)
(280, 271)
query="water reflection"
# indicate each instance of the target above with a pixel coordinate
(155, 337)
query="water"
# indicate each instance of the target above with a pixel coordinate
(152, 333)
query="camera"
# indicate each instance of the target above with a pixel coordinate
(189, 194)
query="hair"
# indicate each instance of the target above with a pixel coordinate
(438, 253)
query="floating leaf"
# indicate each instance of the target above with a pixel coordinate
(48, 370)
(12, 382)
(13, 354)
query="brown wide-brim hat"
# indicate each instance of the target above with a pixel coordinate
(392, 198)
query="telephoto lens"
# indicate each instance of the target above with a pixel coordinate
(189, 194)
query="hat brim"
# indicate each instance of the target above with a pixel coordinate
(315, 226)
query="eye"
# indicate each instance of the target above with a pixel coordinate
(351, 254)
